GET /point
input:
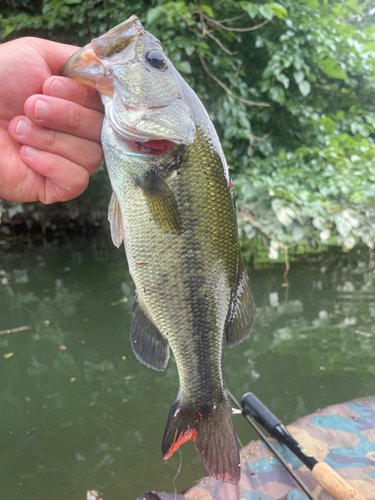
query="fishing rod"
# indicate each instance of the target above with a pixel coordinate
(324, 475)
(268, 443)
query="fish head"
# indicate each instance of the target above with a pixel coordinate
(141, 90)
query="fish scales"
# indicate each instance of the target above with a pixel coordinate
(173, 205)
(206, 248)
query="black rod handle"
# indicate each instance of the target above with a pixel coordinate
(255, 408)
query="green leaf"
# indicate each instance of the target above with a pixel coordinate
(154, 14)
(269, 70)
(208, 10)
(250, 8)
(343, 225)
(297, 233)
(284, 214)
(304, 88)
(282, 78)
(277, 94)
(266, 11)
(265, 85)
(189, 48)
(358, 127)
(183, 66)
(279, 10)
(332, 69)
(299, 76)
(319, 223)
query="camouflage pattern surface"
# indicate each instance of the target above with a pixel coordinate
(341, 435)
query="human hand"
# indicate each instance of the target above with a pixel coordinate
(49, 142)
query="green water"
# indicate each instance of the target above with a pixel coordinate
(99, 414)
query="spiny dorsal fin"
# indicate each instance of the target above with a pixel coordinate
(160, 201)
(149, 346)
(115, 220)
(241, 315)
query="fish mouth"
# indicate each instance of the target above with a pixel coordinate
(87, 65)
(151, 148)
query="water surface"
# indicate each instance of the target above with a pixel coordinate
(79, 412)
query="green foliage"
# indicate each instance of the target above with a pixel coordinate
(289, 86)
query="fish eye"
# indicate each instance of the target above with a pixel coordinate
(156, 59)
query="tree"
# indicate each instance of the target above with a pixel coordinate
(290, 87)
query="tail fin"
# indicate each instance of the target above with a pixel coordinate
(214, 432)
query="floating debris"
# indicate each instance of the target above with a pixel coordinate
(9, 355)
(73, 379)
(31, 431)
(92, 403)
(358, 332)
(63, 348)
(124, 299)
(46, 322)
(15, 330)
(92, 495)
(128, 377)
(66, 268)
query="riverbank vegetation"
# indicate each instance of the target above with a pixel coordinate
(290, 86)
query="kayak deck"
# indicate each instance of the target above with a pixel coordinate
(341, 435)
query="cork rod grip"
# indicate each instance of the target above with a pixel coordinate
(333, 483)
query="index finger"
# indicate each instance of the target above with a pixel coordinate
(64, 88)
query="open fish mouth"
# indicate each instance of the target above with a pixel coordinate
(152, 147)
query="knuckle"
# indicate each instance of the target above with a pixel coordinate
(50, 138)
(73, 119)
(56, 162)
(81, 180)
(95, 155)
(86, 96)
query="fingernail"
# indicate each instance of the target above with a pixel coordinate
(22, 127)
(29, 151)
(57, 89)
(41, 109)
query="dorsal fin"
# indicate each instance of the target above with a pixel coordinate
(149, 346)
(115, 221)
(240, 318)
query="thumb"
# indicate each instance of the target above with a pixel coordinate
(55, 54)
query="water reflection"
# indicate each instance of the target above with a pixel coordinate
(80, 412)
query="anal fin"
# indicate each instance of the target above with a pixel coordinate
(115, 221)
(148, 344)
(241, 315)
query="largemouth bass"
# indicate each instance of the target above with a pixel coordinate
(173, 206)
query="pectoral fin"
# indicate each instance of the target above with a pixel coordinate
(115, 220)
(160, 201)
(149, 346)
(241, 315)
